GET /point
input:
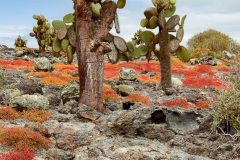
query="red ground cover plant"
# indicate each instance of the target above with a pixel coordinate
(64, 68)
(20, 139)
(205, 69)
(109, 94)
(32, 115)
(20, 155)
(200, 82)
(8, 112)
(36, 115)
(146, 79)
(177, 102)
(54, 78)
(138, 98)
(203, 103)
(17, 64)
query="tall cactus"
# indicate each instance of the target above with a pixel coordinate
(43, 32)
(93, 19)
(162, 16)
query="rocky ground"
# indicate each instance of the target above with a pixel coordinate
(127, 131)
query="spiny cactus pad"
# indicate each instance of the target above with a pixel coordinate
(61, 33)
(180, 34)
(70, 54)
(130, 46)
(142, 49)
(65, 44)
(113, 56)
(149, 12)
(153, 22)
(144, 22)
(172, 22)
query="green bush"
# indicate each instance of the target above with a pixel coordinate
(226, 106)
(213, 43)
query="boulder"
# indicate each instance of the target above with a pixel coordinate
(29, 102)
(127, 74)
(228, 55)
(43, 64)
(176, 82)
(125, 90)
(87, 112)
(71, 92)
(7, 94)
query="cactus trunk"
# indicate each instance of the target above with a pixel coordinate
(90, 53)
(165, 60)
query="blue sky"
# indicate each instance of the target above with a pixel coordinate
(16, 17)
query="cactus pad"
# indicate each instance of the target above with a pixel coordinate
(149, 12)
(58, 24)
(96, 7)
(57, 45)
(183, 20)
(174, 44)
(130, 46)
(113, 56)
(70, 54)
(65, 44)
(68, 18)
(71, 35)
(180, 34)
(183, 54)
(142, 49)
(153, 22)
(120, 43)
(61, 33)
(172, 22)
(170, 11)
(144, 22)
(147, 36)
(121, 3)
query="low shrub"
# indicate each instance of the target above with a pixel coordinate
(226, 106)
(138, 98)
(109, 94)
(177, 102)
(20, 139)
(36, 115)
(8, 112)
(20, 155)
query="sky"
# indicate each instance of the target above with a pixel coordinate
(16, 17)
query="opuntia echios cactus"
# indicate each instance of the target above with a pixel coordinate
(43, 32)
(162, 16)
(20, 42)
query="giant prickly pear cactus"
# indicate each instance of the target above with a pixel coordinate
(93, 19)
(162, 16)
(20, 42)
(43, 32)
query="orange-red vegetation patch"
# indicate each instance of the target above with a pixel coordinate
(203, 103)
(138, 98)
(146, 79)
(8, 113)
(109, 94)
(33, 115)
(54, 78)
(20, 139)
(111, 71)
(201, 82)
(65, 68)
(177, 102)
(17, 64)
(19, 155)
(36, 115)
(203, 68)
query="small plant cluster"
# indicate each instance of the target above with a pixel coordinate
(138, 98)
(226, 106)
(23, 139)
(211, 43)
(32, 115)
(19, 155)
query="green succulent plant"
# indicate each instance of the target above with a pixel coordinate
(43, 32)
(20, 42)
